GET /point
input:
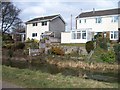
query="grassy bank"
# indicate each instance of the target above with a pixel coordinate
(37, 79)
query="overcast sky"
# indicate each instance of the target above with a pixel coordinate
(37, 8)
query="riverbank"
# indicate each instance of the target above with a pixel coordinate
(37, 79)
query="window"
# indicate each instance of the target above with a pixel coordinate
(44, 23)
(73, 35)
(115, 19)
(98, 20)
(83, 34)
(34, 34)
(84, 20)
(78, 34)
(79, 21)
(114, 35)
(34, 24)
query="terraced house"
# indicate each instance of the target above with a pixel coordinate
(90, 23)
(48, 24)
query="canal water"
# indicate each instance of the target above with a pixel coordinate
(54, 69)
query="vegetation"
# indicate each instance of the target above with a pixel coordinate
(57, 51)
(89, 46)
(36, 79)
(33, 43)
(10, 16)
(117, 51)
(108, 57)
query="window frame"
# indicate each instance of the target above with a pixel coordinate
(113, 35)
(115, 19)
(98, 20)
(34, 24)
(44, 23)
(34, 34)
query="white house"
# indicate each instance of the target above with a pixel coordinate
(90, 23)
(38, 26)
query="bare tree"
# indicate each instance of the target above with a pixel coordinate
(9, 15)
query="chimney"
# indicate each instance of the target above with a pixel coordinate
(93, 10)
(81, 10)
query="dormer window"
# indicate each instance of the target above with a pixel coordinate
(34, 24)
(44, 23)
(115, 19)
(98, 20)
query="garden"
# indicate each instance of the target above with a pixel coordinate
(72, 68)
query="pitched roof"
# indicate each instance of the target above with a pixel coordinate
(99, 13)
(44, 18)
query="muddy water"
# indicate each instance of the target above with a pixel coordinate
(54, 69)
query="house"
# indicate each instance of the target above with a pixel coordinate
(90, 23)
(38, 26)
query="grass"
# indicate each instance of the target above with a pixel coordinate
(36, 79)
(74, 44)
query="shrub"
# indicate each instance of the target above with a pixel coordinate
(117, 51)
(108, 57)
(20, 45)
(103, 42)
(57, 51)
(33, 43)
(89, 46)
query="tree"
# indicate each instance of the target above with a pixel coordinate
(9, 15)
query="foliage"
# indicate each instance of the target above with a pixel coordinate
(10, 15)
(89, 46)
(103, 43)
(32, 43)
(108, 57)
(20, 45)
(117, 51)
(6, 37)
(10, 53)
(57, 51)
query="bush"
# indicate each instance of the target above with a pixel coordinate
(89, 46)
(108, 57)
(57, 51)
(103, 42)
(20, 45)
(33, 43)
(117, 51)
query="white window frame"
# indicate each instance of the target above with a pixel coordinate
(80, 33)
(44, 23)
(115, 19)
(34, 24)
(34, 34)
(98, 20)
(112, 35)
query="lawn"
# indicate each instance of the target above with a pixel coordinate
(74, 44)
(36, 79)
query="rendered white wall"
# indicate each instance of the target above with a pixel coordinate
(36, 29)
(65, 37)
(106, 24)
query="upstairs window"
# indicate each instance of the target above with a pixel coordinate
(79, 21)
(84, 20)
(44, 23)
(34, 34)
(115, 19)
(98, 20)
(34, 24)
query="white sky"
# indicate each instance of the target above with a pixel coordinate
(37, 8)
